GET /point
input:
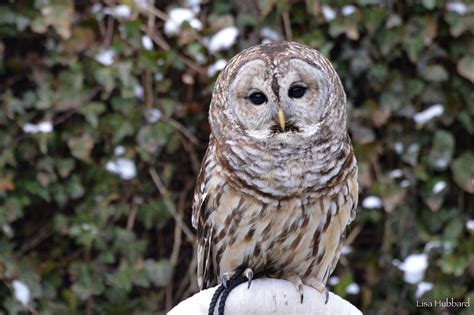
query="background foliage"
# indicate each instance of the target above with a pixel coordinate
(104, 122)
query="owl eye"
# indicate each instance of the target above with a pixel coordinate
(297, 91)
(257, 98)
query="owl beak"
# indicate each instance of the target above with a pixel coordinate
(281, 118)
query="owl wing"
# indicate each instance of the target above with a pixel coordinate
(200, 211)
(349, 208)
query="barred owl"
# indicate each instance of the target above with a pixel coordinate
(278, 184)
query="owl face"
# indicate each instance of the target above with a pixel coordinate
(281, 93)
(294, 89)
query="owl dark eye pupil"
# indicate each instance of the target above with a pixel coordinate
(296, 91)
(257, 98)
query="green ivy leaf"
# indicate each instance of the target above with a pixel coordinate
(81, 147)
(463, 171)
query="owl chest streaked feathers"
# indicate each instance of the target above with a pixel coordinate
(270, 224)
(278, 184)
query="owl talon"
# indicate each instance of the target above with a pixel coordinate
(225, 278)
(318, 286)
(298, 283)
(300, 290)
(249, 275)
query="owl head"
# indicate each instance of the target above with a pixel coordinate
(278, 92)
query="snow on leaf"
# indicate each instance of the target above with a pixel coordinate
(439, 187)
(106, 57)
(153, 115)
(123, 167)
(328, 13)
(428, 114)
(353, 288)
(119, 150)
(470, 225)
(223, 39)
(457, 7)
(270, 34)
(414, 267)
(177, 17)
(147, 42)
(334, 280)
(372, 202)
(21, 291)
(422, 288)
(216, 67)
(43, 127)
(348, 10)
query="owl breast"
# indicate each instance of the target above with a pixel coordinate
(276, 172)
(275, 225)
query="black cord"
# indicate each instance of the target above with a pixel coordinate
(226, 292)
(221, 288)
(214, 299)
(236, 280)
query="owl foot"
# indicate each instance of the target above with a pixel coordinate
(298, 283)
(225, 278)
(318, 286)
(248, 273)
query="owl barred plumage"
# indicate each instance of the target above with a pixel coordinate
(278, 184)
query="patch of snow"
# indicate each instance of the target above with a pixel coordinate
(223, 39)
(106, 56)
(86, 226)
(413, 148)
(372, 202)
(414, 267)
(328, 13)
(216, 67)
(432, 244)
(21, 291)
(195, 5)
(7, 230)
(333, 280)
(138, 91)
(399, 147)
(122, 11)
(92, 229)
(159, 76)
(457, 7)
(270, 35)
(345, 250)
(348, 10)
(441, 163)
(44, 127)
(393, 21)
(153, 115)
(428, 114)
(119, 150)
(422, 288)
(96, 8)
(123, 167)
(147, 42)
(199, 57)
(439, 187)
(405, 183)
(353, 288)
(470, 225)
(396, 173)
(177, 17)
(142, 4)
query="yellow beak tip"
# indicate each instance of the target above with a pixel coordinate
(281, 118)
